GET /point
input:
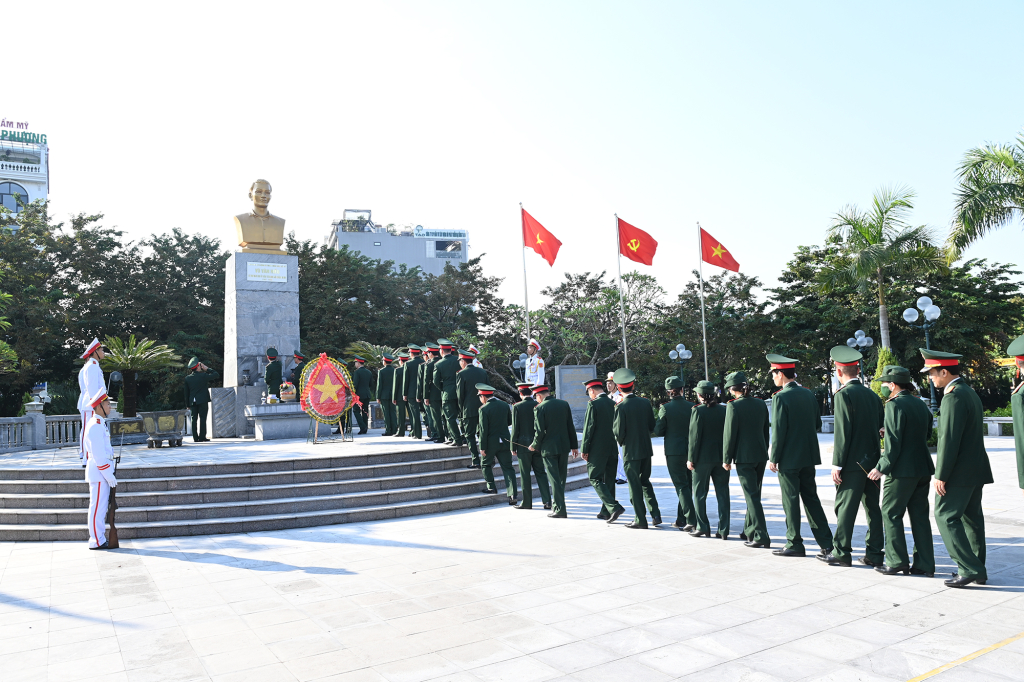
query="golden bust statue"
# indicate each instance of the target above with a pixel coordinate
(259, 231)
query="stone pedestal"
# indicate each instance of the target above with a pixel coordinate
(274, 422)
(569, 387)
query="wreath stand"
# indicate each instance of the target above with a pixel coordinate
(316, 438)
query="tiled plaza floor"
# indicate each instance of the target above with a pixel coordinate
(502, 594)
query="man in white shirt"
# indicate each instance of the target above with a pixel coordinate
(534, 364)
(616, 395)
(99, 469)
(90, 381)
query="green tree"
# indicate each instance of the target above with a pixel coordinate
(877, 244)
(132, 357)
(8, 358)
(990, 194)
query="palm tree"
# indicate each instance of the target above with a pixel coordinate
(131, 357)
(991, 194)
(878, 242)
(372, 353)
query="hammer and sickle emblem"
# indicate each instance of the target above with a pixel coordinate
(539, 240)
(633, 244)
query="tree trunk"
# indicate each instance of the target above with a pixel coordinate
(130, 388)
(883, 313)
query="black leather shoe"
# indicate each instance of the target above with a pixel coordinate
(472, 466)
(634, 524)
(719, 536)
(743, 536)
(980, 582)
(699, 534)
(789, 552)
(893, 570)
(520, 506)
(688, 527)
(918, 571)
(822, 555)
(957, 581)
(619, 481)
(656, 520)
(488, 491)
(868, 562)
(604, 516)
(836, 561)
(547, 506)
(751, 543)
(105, 545)
(512, 501)
(555, 515)
(616, 514)
(676, 524)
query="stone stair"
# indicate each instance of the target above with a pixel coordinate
(52, 504)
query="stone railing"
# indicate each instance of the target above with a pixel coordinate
(15, 434)
(994, 425)
(36, 431)
(62, 431)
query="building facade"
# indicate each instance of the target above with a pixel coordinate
(24, 165)
(429, 250)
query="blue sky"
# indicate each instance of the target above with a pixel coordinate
(758, 120)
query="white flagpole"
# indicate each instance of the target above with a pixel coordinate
(622, 305)
(526, 289)
(703, 324)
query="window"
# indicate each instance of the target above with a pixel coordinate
(7, 192)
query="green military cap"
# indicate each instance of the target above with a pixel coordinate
(431, 346)
(885, 392)
(705, 387)
(844, 355)
(594, 383)
(358, 358)
(403, 356)
(673, 382)
(485, 389)
(193, 362)
(271, 352)
(781, 361)
(1016, 348)
(298, 354)
(900, 375)
(735, 379)
(445, 343)
(524, 384)
(466, 354)
(624, 377)
(388, 358)
(936, 359)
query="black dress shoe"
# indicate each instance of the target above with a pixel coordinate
(472, 466)
(868, 562)
(556, 515)
(918, 571)
(105, 545)
(699, 534)
(823, 555)
(520, 506)
(893, 570)
(620, 481)
(656, 520)
(751, 543)
(604, 516)
(981, 581)
(361, 433)
(837, 561)
(957, 581)
(688, 527)
(547, 506)
(488, 491)
(634, 524)
(719, 536)
(743, 536)
(512, 501)
(616, 514)
(789, 552)
(677, 524)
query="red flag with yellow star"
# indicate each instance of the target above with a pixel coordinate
(712, 251)
(326, 390)
(536, 237)
(635, 244)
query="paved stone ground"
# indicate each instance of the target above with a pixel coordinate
(501, 594)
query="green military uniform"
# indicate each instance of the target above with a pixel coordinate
(962, 464)
(1016, 350)
(554, 436)
(296, 373)
(707, 430)
(601, 451)
(745, 444)
(469, 401)
(445, 371)
(197, 398)
(795, 422)
(272, 374)
(859, 416)
(494, 419)
(398, 395)
(673, 424)
(412, 388)
(907, 466)
(362, 379)
(426, 383)
(434, 395)
(385, 395)
(633, 424)
(522, 437)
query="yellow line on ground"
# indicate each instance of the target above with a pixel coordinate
(968, 657)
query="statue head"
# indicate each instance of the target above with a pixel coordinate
(259, 192)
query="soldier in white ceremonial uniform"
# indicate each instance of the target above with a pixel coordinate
(534, 364)
(99, 469)
(90, 381)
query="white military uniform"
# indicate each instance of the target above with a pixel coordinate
(616, 396)
(99, 473)
(535, 366)
(90, 383)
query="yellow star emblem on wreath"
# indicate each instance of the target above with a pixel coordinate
(328, 389)
(718, 251)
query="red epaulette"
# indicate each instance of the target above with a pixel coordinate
(97, 420)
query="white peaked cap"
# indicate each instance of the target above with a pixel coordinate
(533, 342)
(610, 375)
(92, 346)
(474, 348)
(98, 397)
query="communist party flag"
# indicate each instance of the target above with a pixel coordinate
(536, 237)
(635, 244)
(712, 251)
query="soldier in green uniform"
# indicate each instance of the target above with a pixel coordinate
(426, 384)
(1016, 350)
(398, 395)
(795, 453)
(907, 466)
(469, 404)
(554, 436)
(385, 394)
(522, 437)
(746, 445)
(707, 432)
(495, 416)
(634, 422)
(961, 469)
(197, 397)
(445, 372)
(412, 387)
(272, 374)
(673, 424)
(300, 365)
(600, 450)
(432, 400)
(859, 415)
(362, 379)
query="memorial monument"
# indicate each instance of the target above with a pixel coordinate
(261, 309)
(569, 387)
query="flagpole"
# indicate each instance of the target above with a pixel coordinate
(622, 305)
(703, 324)
(526, 289)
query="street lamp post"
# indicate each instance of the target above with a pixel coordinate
(681, 355)
(862, 341)
(931, 317)
(520, 365)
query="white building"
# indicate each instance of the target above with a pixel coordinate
(24, 165)
(429, 250)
